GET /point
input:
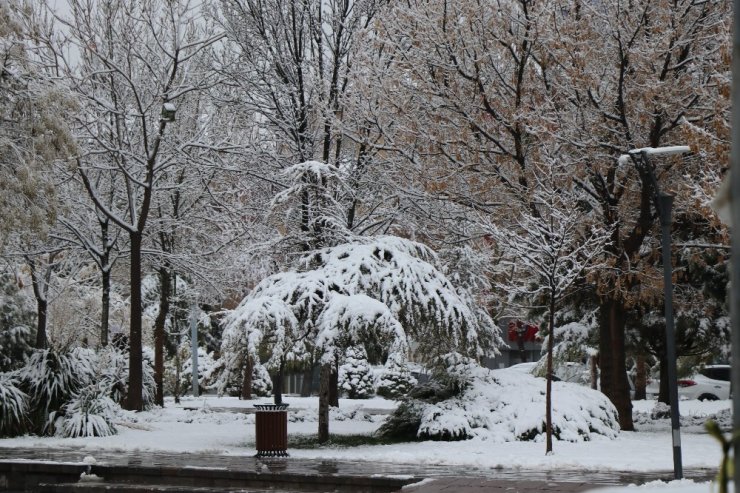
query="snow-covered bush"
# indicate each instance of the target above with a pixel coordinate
(89, 413)
(112, 372)
(206, 364)
(176, 380)
(261, 381)
(506, 405)
(50, 378)
(149, 385)
(181, 364)
(16, 319)
(228, 380)
(228, 371)
(13, 407)
(355, 374)
(395, 381)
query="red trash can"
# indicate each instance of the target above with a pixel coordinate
(271, 430)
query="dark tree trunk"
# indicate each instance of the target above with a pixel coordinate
(178, 373)
(548, 395)
(159, 333)
(334, 386)
(606, 364)
(41, 310)
(105, 278)
(324, 384)
(641, 378)
(520, 345)
(105, 309)
(134, 401)
(277, 384)
(40, 290)
(307, 383)
(614, 382)
(246, 393)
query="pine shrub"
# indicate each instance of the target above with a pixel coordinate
(396, 381)
(355, 375)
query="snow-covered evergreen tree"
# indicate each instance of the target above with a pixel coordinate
(355, 374)
(396, 379)
(383, 289)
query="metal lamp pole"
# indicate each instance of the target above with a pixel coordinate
(664, 204)
(194, 347)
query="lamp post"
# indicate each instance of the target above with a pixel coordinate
(664, 204)
(194, 347)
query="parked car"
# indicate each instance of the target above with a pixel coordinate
(710, 383)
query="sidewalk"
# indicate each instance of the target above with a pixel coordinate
(483, 485)
(318, 474)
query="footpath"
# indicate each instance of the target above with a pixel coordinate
(59, 470)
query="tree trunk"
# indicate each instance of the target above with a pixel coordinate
(134, 401)
(520, 345)
(41, 317)
(277, 384)
(548, 395)
(307, 383)
(40, 287)
(614, 382)
(105, 308)
(246, 393)
(105, 276)
(334, 386)
(178, 373)
(324, 385)
(641, 378)
(159, 333)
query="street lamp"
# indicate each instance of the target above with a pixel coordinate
(168, 112)
(663, 204)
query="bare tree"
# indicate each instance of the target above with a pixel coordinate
(133, 69)
(548, 248)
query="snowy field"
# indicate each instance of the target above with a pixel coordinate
(209, 424)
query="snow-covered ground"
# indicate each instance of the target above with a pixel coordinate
(205, 425)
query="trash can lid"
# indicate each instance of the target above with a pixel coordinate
(271, 407)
